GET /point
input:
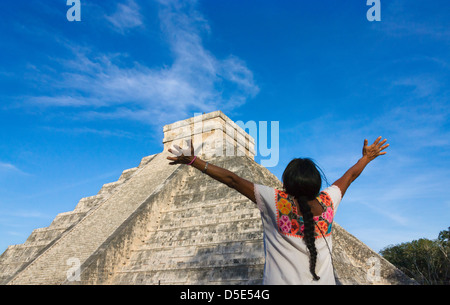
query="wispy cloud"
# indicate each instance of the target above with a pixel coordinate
(86, 130)
(127, 16)
(6, 168)
(26, 214)
(396, 217)
(106, 86)
(407, 18)
(64, 187)
(422, 85)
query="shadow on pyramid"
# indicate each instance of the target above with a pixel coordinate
(165, 224)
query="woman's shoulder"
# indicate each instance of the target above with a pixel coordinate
(282, 193)
(264, 195)
(265, 190)
(331, 194)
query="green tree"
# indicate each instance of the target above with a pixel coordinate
(427, 261)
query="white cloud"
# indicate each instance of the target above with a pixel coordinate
(127, 16)
(85, 130)
(105, 86)
(407, 18)
(10, 168)
(422, 85)
(27, 214)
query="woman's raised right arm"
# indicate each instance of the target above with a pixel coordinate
(369, 154)
(187, 156)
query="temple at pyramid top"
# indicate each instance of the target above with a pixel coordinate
(219, 135)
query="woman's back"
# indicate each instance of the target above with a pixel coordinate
(287, 256)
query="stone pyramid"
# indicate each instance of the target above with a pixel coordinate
(165, 224)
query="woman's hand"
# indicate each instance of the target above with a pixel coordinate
(374, 150)
(183, 156)
(369, 153)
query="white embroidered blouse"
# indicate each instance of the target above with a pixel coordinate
(286, 254)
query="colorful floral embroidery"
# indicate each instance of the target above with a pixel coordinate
(285, 224)
(284, 206)
(295, 226)
(328, 215)
(322, 227)
(291, 223)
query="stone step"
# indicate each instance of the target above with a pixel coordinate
(202, 213)
(195, 237)
(109, 188)
(146, 160)
(20, 253)
(213, 223)
(223, 251)
(43, 236)
(215, 261)
(231, 275)
(241, 200)
(126, 174)
(88, 203)
(11, 267)
(66, 220)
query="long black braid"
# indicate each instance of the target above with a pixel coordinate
(302, 179)
(309, 235)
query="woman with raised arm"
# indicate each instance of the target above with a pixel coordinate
(297, 220)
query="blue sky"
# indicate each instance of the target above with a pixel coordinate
(83, 101)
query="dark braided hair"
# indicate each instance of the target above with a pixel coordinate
(302, 179)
